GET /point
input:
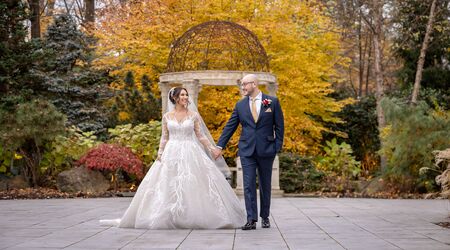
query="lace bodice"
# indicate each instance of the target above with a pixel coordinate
(187, 129)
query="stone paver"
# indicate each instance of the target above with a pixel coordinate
(297, 223)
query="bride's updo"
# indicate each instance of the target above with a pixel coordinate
(174, 94)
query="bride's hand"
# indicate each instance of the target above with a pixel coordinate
(159, 157)
(216, 152)
(219, 153)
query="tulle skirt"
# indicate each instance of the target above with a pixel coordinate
(183, 190)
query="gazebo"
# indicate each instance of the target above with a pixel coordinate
(218, 53)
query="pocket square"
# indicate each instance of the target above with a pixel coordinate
(268, 110)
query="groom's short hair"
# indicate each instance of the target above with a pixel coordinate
(250, 78)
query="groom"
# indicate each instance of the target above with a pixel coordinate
(262, 124)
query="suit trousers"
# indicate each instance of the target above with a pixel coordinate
(250, 165)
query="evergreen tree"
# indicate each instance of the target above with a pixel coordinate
(69, 79)
(412, 134)
(26, 130)
(17, 78)
(141, 105)
(37, 75)
(361, 127)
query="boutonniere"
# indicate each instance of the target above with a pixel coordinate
(266, 102)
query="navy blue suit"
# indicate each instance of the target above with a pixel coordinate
(258, 145)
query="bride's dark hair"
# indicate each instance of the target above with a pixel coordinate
(174, 94)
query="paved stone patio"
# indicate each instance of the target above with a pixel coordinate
(297, 223)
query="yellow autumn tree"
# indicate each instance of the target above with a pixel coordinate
(299, 38)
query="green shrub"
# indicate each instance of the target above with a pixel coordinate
(64, 150)
(436, 98)
(27, 129)
(412, 133)
(298, 174)
(142, 139)
(338, 159)
(361, 126)
(8, 162)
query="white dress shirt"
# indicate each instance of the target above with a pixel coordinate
(257, 102)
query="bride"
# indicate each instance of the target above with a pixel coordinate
(184, 187)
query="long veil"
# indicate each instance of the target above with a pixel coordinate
(220, 162)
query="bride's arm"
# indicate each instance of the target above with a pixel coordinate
(164, 137)
(201, 137)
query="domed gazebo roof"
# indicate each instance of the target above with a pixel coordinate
(216, 53)
(218, 45)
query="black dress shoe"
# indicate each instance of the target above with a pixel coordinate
(265, 223)
(249, 225)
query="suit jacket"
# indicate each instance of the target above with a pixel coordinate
(265, 136)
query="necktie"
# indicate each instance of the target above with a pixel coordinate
(254, 113)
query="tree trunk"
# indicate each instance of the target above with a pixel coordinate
(361, 55)
(378, 8)
(35, 19)
(30, 170)
(355, 91)
(369, 61)
(378, 68)
(89, 14)
(423, 52)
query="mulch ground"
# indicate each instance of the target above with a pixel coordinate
(49, 193)
(379, 195)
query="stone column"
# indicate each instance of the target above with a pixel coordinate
(272, 88)
(193, 87)
(238, 84)
(239, 177)
(276, 191)
(164, 87)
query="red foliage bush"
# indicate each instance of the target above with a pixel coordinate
(112, 157)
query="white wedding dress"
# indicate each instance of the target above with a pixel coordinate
(185, 189)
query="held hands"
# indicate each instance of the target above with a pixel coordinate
(216, 152)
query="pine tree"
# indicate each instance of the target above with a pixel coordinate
(16, 55)
(141, 105)
(69, 81)
(411, 135)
